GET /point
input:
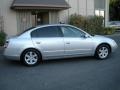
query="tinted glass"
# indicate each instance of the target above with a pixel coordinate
(51, 31)
(72, 32)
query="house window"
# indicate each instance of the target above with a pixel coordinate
(100, 13)
(99, 7)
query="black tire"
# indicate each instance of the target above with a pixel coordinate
(30, 57)
(102, 52)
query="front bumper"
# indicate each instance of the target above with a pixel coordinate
(114, 46)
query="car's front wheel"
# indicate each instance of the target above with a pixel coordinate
(30, 57)
(102, 51)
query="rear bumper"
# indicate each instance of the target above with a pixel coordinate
(9, 56)
(12, 58)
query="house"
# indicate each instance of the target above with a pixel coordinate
(19, 15)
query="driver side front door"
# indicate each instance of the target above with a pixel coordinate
(75, 44)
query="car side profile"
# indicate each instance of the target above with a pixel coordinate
(56, 41)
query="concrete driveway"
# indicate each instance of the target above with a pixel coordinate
(68, 74)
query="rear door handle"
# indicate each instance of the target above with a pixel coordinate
(37, 42)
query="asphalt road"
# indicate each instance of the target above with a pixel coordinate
(69, 74)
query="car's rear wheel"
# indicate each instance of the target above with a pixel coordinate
(30, 57)
(102, 51)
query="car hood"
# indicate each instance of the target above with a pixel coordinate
(99, 36)
(102, 38)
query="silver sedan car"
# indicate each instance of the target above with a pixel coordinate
(56, 41)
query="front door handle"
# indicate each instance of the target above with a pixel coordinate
(68, 43)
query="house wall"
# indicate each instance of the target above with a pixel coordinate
(9, 17)
(82, 7)
(85, 8)
(53, 17)
(24, 20)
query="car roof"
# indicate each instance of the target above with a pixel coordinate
(41, 26)
(46, 25)
(53, 25)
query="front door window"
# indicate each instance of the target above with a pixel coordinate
(72, 32)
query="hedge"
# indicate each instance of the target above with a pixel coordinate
(2, 38)
(91, 24)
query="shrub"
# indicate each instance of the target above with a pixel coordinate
(77, 20)
(91, 24)
(109, 30)
(94, 25)
(2, 38)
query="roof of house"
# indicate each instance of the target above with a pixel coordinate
(40, 4)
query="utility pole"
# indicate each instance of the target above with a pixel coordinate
(68, 12)
(86, 8)
(86, 15)
(78, 6)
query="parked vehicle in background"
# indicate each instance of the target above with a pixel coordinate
(56, 41)
(115, 24)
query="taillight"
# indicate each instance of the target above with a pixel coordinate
(6, 44)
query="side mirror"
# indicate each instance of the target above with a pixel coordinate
(86, 36)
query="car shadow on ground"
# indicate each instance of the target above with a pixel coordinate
(69, 60)
(48, 62)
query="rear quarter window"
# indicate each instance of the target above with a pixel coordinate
(25, 31)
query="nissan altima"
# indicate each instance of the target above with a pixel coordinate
(56, 41)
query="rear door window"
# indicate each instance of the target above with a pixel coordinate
(51, 31)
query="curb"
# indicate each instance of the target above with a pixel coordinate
(1, 47)
(1, 50)
(116, 34)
